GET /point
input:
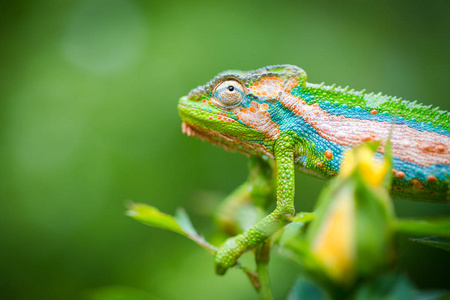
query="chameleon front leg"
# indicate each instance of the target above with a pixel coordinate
(234, 247)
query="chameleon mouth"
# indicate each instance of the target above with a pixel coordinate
(226, 141)
(219, 139)
(190, 130)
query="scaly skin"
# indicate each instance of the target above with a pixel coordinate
(274, 112)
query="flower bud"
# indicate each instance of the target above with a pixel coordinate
(351, 235)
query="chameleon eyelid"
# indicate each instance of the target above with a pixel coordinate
(234, 96)
(229, 78)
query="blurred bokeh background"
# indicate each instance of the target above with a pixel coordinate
(89, 120)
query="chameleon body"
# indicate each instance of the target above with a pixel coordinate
(274, 112)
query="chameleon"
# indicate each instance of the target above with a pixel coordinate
(273, 112)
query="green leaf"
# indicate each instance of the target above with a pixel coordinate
(182, 219)
(441, 243)
(184, 222)
(291, 231)
(305, 288)
(425, 227)
(390, 286)
(181, 223)
(151, 216)
(395, 286)
(304, 217)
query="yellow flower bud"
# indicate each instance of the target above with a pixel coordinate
(363, 160)
(348, 164)
(372, 171)
(334, 244)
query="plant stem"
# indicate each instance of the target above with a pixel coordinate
(252, 276)
(262, 256)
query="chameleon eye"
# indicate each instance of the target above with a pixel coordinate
(229, 93)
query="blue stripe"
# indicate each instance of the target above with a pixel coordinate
(287, 121)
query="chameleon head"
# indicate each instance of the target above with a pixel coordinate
(235, 110)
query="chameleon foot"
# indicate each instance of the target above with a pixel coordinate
(228, 254)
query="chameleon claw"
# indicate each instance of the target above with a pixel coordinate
(220, 270)
(227, 255)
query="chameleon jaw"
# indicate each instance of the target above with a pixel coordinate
(228, 142)
(205, 135)
(190, 130)
(211, 125)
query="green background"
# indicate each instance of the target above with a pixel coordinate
(88, 121)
